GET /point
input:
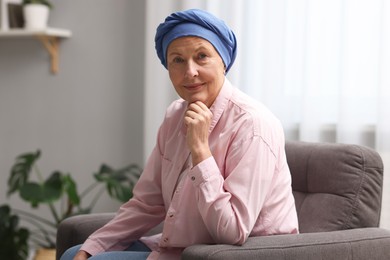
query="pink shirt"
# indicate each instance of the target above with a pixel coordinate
(243, 190)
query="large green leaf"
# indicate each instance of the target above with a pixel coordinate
(119, 183)
(47, 192)
(20, 171)
(52, 188)
(33, 193)
(70, 188)
(119, 191)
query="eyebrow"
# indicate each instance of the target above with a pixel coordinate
(173, 53)
(200, 48)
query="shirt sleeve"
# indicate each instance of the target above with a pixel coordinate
(134, 218)
(230, 202)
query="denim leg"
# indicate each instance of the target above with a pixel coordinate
(70, 253)
(136, 251)
(138, 246)
(121, 255)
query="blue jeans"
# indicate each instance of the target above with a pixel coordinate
(136, 251)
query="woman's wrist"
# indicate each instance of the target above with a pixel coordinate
(200, 155)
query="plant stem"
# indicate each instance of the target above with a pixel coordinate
(50, 204)
(40, 240)
(31, 218)
(49, 233)
(88, 189)
(54, 212)
(37, 218)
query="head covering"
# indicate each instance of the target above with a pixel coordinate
(195, 22)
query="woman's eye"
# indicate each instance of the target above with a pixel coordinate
(202, 55)
(177, 60)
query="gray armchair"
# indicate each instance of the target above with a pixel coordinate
(338, 191)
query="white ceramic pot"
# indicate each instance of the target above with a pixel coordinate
(36, 16)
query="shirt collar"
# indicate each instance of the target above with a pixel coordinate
(220, 103)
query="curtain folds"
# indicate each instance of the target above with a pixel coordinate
(323, 67)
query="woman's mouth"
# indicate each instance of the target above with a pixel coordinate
(194, 86)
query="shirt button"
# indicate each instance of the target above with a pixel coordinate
(193, 178)
(166, 240)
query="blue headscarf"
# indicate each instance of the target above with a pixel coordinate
(195, 22)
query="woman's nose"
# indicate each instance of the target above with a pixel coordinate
(192, 69)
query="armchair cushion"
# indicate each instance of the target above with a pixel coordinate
(336, 186)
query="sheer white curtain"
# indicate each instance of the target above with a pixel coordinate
(323, 67)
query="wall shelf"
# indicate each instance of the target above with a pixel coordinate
(49, 37)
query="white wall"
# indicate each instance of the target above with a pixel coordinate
(92, 111)
(159, 92)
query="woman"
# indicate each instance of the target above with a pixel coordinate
(218, 172)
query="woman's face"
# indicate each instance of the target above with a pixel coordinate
(196, 70)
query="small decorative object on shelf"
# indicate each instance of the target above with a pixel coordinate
(36, 14)
(11, 14)
(15, 15)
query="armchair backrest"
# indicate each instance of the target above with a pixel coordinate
(336, 186)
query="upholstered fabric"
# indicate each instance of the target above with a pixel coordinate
(356, 244)
(336, 186)
(338, 190)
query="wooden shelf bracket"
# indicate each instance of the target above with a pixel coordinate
(50, 38)
(51, 44)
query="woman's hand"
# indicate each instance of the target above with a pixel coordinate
(81, 255)
(198, 119)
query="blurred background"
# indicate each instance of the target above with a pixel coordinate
(321, 66)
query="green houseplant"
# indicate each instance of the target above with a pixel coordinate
(59, 192)
(13, 239)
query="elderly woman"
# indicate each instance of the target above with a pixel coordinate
(218, 172)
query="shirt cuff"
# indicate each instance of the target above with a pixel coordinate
(203, 171)
(92, 249)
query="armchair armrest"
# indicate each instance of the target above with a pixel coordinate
(75, 230)
(356, 244)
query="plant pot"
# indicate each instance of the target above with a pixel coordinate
(36, 16)
(45, 254)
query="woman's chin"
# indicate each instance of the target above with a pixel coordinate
(196, 98)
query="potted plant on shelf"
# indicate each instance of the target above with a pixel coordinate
(59, 192)
(36, 14)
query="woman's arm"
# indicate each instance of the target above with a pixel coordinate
(135, 217)
(230, 202)
(230, 206)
